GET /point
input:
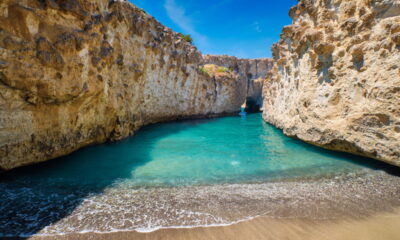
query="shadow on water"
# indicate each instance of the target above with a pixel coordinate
(34, 197)
(365, 162)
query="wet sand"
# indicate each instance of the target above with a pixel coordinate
(364, 206)
(384, 226)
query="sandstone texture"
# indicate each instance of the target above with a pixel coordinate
(228, 82)
(336, 81)
(252, 71)
(79, 72)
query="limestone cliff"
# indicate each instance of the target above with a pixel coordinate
(252, 71)
(336, 82)
(80, 72)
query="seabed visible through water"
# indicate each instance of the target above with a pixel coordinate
(192, 173)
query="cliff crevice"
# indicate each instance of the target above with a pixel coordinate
(251, 71)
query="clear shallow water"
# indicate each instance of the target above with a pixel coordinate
(228, 150)
(167, 175)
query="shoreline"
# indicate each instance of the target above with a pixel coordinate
(350, 198)
(379, 226)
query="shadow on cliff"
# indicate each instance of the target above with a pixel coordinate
(347, 157)
(33, 198)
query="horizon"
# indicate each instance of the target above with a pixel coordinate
(243, 31)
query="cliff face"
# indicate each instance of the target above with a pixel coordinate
(80, 72)
(252, 71)
(336, 82)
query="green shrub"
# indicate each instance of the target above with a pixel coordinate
(205, 70)
(212, 69)
(187, 38)
(222, 69)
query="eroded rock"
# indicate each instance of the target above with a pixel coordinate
(79, 72)
(336, 80)
(251, 71)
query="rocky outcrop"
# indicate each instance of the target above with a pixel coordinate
(336, 82)
(231, 86)
(80, 72)
(252, 71)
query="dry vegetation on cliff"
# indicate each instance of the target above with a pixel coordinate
(80, 72)
(75, 73)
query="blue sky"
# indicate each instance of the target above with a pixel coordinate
(241, 28)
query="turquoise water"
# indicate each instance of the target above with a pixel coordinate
(231, 150)
(228, 150)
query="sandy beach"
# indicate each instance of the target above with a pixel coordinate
(351, 207)
(381, 226)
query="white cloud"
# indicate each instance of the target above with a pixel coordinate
(257, 27)
(178, 15)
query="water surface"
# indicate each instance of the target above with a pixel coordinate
(167, 174)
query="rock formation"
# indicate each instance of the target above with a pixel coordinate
(252, 71)
(79, 72)
(336, 82)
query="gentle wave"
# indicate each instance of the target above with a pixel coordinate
(122, 208)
